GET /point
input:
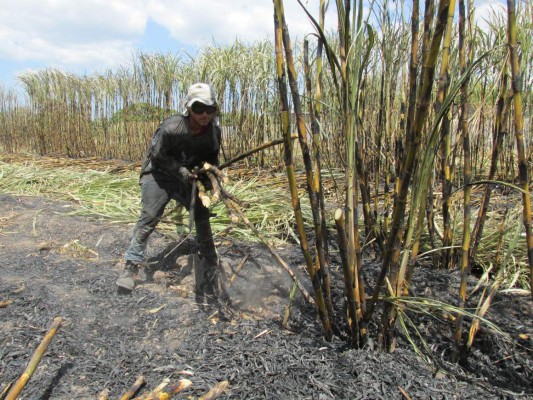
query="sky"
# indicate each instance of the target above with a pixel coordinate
(87, 36)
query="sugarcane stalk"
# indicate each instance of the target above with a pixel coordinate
(215, 187)
(288, 307)
(420, 193)
(139, 382)
(5, 390)
(352, 301)
(349, 99)
(352, 58)
(467, 177)
(412, 93)
(499, 132)
(254, 150)
(321, 229)
(312, 181)
(238, 269)
(289, 166)
(523, 175)
(164, 383)
(214, 170)
(202, 194)
(397, 226)
(5, 303)
(444, 83)
(104, 394)
(34, 362)
(216, 391)
(315, 127)
(167, 392)
(398, 269)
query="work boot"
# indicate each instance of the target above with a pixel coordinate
(126, 282)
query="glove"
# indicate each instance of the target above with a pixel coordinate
(186, 174)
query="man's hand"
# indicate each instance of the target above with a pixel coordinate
(187, 175)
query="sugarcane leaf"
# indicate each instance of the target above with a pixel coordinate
(156, 310)
(330, 53)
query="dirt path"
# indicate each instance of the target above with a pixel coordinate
(53, 263)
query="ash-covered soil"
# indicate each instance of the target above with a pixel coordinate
(53, 263)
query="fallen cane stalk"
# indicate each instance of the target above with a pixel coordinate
(405, 394)
(215, 391)
(166, 393)
(5, 303)
(104, 394)
(36, 358)
(134, 389)
(238, 269)
(4, 392)
(164, 383)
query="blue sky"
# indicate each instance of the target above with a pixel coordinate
(84, 36)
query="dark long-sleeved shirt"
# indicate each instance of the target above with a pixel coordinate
(174, 146)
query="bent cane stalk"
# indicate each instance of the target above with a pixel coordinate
(256, 149)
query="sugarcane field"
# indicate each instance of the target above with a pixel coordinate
(360, 228)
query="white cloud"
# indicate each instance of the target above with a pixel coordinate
(198, 21)
(486, 11)
(99, 34)
(70, 34)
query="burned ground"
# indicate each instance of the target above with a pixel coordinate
(54, 263)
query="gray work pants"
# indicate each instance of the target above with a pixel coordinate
(155, 195)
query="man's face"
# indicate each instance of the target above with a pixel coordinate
(202, 114)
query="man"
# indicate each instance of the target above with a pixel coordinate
(180, 143)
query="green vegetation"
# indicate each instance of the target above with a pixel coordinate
(110, 190)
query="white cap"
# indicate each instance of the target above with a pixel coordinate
(201, 92)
